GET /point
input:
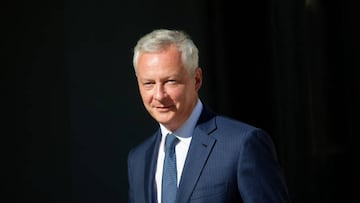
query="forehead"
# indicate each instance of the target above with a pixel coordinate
(163, 62)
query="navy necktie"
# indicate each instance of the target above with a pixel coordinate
(169, 179)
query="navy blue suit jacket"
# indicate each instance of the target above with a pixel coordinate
(228, 161)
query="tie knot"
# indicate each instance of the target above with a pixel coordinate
(170, 141)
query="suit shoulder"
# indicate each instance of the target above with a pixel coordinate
(233, 123)
(232, 131)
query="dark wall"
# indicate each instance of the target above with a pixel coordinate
(316, 79)
(69, 89)
(35, 114)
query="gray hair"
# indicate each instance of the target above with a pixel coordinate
(161, 39)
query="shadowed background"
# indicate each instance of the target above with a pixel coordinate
(289, 67)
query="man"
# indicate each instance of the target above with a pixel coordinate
(218, 159)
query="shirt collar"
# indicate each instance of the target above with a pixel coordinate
(187, 129)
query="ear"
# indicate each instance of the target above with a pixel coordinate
(198, 78)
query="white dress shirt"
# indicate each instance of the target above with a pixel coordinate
(184, 134)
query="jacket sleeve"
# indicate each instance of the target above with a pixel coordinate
(259, 175)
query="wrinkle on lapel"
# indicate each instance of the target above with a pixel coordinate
(200, 149)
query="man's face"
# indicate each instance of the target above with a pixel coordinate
(168, 91)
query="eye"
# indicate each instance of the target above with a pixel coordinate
(148, 84)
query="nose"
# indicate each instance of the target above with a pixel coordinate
(159, 92)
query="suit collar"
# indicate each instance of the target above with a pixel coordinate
(199, 151)
(206, 121)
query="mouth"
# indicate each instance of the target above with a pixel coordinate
(162, 108)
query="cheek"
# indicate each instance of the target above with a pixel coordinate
(145, 96)
(146, 99)
(177, 95)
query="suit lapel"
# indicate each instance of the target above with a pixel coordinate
(151, 159)
(199, 151)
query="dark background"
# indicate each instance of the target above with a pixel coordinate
(71, 108)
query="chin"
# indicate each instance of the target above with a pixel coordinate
(164, 121)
